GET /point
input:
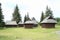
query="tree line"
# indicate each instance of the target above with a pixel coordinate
(17, 16)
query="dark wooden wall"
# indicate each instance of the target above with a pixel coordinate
(28, 25)
(48, 25)
(20, 25)
(10, 25)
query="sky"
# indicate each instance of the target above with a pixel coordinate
(33, 7)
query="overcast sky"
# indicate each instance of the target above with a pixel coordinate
(34, 7)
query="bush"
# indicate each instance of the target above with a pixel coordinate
(58, 23)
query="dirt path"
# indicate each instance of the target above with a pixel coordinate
(58, 32)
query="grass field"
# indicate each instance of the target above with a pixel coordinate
(29, 34)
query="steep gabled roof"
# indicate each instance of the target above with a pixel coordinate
(47, 20)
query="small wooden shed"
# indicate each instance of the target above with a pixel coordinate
(20, 24)
(48, 22)
(11, 24)
(28, 24)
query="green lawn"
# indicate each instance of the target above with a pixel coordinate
(29, 34)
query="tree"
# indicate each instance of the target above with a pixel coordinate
(16, 15)
(1, 17)
(42, 17)
(48, 12)
(26, 18)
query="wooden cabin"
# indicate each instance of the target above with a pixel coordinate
(11, 24)
(48, 22)
(28, 24)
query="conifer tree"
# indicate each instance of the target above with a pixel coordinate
(48, 12)
(1, 17)
(28, 18)
(42, 17)
(25, 19)
(16, 15)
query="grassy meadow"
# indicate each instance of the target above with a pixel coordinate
(30, 34)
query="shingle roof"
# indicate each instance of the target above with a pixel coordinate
(11, 23)
(28, 22)
(47, 20)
